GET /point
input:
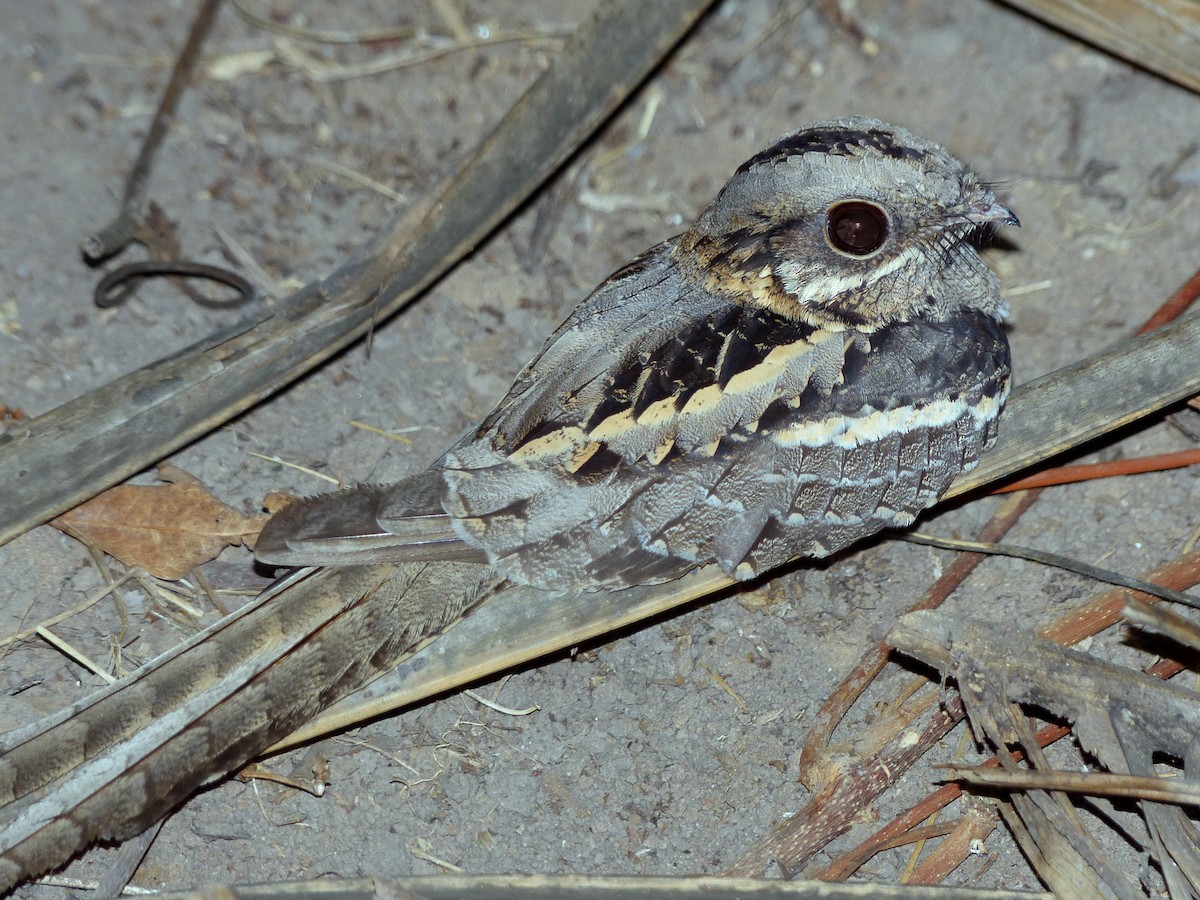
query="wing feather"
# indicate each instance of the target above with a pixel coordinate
(403, 522)
(663, 426)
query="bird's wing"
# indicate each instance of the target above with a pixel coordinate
(665, 426)
(372, 523)
(407, 521)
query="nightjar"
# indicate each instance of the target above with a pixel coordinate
(813, 361)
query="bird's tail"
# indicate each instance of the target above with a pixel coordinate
(116, 762)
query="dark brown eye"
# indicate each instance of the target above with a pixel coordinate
(856, 227)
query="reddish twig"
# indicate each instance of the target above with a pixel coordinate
(1160, 462)
(1086, 621)
(892, 835)
(1172, 309)
(840, 805)
(1176, 304)
(970, 831)
(1105, 609)
(834, 709)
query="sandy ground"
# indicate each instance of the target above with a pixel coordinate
(637, 761)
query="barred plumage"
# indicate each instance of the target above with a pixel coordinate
(815, 360)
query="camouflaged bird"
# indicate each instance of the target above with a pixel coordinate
(815, 360)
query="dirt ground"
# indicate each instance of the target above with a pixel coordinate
(636, 760)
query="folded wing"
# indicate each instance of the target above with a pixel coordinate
(369, 524)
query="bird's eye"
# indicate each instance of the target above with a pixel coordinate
(856, 227)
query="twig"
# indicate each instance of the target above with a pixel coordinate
(420, 849)
(1056, 560)
(851, 861)
(390, 435)
(725, 686)
(66, 614)
(1176, 304)
(797, 833)
(356, 177)
(259, 772)
(291, 465)
(210, 592)
(1179, 792)
(1077, 625)
(1160, 462)
(267, 285)
(969, 832)
(116, 880)
(78, 655)
(1105, 609)
(500, 708)
(1165, 621)
(157, 590)
(839, 702)
(78, 884)
(387, 62)
(116, 235)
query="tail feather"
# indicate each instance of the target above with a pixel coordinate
(118, 761)
(369, 524)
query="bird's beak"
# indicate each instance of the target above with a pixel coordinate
(991, 212)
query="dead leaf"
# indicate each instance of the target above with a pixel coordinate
(166, 529)
(276, 501)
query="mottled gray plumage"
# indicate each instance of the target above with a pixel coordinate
(816, 359)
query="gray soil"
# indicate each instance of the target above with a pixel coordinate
(636, 760)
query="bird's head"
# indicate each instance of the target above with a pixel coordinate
(849, 223)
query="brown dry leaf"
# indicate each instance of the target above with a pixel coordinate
(277, 500)
(166, 529)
